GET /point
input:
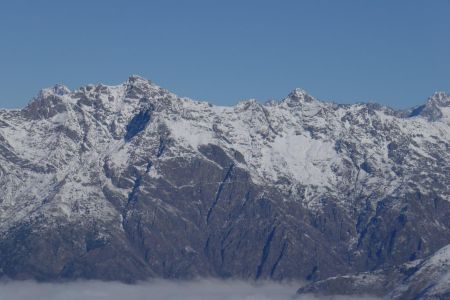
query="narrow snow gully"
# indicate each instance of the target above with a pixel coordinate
(219, 191)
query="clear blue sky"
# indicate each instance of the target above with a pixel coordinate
(392, 52)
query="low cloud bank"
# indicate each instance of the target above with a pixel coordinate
(155, 290)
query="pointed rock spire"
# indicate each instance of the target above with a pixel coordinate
(298, 97)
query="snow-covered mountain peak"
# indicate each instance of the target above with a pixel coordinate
(138, 82)
(298, 93)
(49, 102)
(298, 97)
(137, 79)
(441, 99)
(56, 90)
(59, 89)
(436, 108)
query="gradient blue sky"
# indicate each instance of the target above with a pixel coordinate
(392, 52)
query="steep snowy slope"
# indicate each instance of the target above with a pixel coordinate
(420, 279)
(131, 181)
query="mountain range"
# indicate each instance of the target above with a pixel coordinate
(131, 182)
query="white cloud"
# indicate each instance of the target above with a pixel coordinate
(154, 290)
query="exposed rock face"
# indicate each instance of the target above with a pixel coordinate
(130, 181)
(420, 279)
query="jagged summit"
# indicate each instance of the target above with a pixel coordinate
(138, 88)
(436, 107)
(58, 89)
(440, 99)
(298, 97)
(137, 79)
(54, 91)
(298, 93)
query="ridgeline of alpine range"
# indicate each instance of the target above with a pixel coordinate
(132, 182)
